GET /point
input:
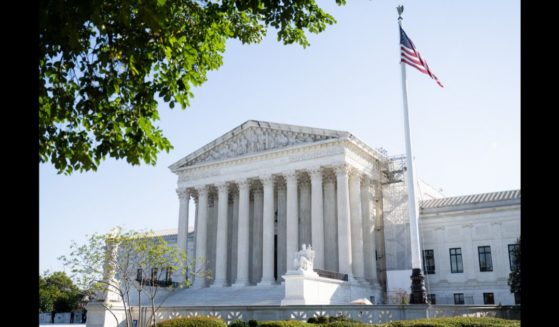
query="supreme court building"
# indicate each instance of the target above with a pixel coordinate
(263, 189)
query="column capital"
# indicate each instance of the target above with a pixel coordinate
(222, 186)
(183, 193)
(342, 169)
(202, 190)
(266, 180)
(315, 173)
(355, 174)
(290, 177)
(243, 184)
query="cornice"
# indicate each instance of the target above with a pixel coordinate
(358, 151)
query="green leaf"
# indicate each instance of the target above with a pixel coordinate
(99, 65)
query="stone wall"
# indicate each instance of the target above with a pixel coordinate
(365, 313)
(60, 318)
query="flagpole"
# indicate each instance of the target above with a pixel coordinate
(418, 294)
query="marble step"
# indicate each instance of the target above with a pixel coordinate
(226, 296)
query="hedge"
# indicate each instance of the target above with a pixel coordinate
(455, 322)
(346, 324)
(284, 323)
(192, 322)
(328, 320)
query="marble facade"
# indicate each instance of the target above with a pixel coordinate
(263, 189)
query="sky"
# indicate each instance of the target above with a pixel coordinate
(465, 137)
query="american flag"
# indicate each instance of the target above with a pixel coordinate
(410, 55)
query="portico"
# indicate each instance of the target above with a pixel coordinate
(263, 189)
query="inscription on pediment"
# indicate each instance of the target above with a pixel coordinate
(256, 140)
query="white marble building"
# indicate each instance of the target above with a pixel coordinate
(470, 238)
(263, 189)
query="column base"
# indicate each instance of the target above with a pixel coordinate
(266, 283)
(241, 284)
(218, 284)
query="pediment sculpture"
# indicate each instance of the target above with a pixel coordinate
(256, 140)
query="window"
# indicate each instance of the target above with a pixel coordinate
(456, 260)
(428, 262)
(153, 274)
(169, 275)
(458, 298)
(488, 298)
(512, 257)
(485, 263)
(139, 274)
(432, 298)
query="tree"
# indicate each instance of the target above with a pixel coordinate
(46, 302)
(58, 293)
(129, 264)
(515, 275)
(103, 62)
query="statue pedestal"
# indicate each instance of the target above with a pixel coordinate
(99, 316)
(306, 287)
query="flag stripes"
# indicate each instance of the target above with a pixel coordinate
(410, 56)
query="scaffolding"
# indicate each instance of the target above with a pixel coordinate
(394, 169)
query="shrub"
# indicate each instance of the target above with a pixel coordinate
(455, 322)
(284, 323)
(318, 320)
(340, 321)
(192, 322)
(252, 323)
(341, 318)
(346, 323)
(238, 323)
(322, 319)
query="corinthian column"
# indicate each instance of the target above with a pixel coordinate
(344, 234)
(182, 232)
(281, 261)
(330, 223)
(221, 237)
(242, 232)
(268, 231)
(201, 235)
(356, 225)
(369, 247)
(317, 222)
(292, 234)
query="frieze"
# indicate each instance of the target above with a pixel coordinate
(316, 154)
(197, 175)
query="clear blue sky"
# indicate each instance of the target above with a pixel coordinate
(466, 137)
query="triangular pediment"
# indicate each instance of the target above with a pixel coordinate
(256, 136)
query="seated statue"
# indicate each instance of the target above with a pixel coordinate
(304, 259)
